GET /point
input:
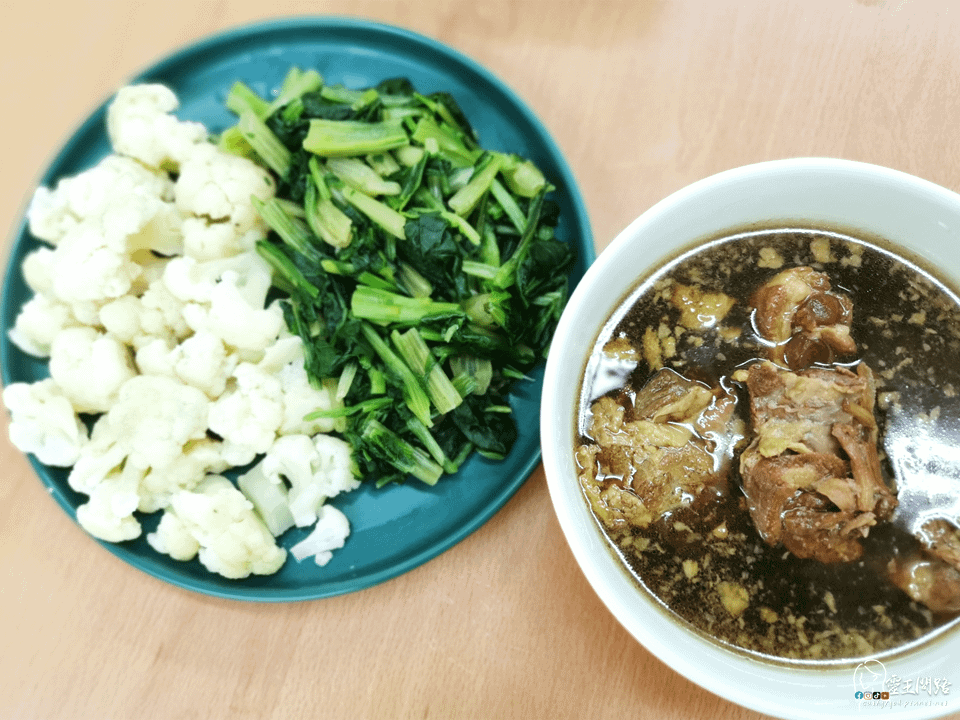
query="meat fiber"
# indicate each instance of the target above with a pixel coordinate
(812, 474)
(657, 450)
(802, 318)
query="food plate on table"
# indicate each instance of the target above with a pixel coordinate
(397, 527)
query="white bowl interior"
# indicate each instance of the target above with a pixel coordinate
(919, 216)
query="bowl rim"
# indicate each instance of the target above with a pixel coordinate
(680, 656)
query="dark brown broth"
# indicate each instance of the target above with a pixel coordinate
(800, 609)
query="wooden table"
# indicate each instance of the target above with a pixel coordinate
(643, 97)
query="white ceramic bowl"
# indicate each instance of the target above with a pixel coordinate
(919, 216)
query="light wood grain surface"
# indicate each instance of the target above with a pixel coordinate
(643, 97)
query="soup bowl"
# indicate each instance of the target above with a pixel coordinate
(917, 217)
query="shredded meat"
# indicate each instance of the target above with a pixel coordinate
(803, 319)
(812, 475)
(659, 451)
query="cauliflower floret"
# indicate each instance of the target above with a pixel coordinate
(100, 221)
(87, 312)
(226, 298)
(301, 398)
(205, 240)
(231, 317)
(98, 458)
(39, 321)
(198, 459)
(162, 232)
(89, 265)
(138, 321)
(49, 216)
(201, 361)
(285, 359)
(140, 125)
(108, 514)
(37, 268)
(290, 458)
(248, 414)
(43, 422)
(330, 533)
(232, 539)
(156, 417)
(287, 349)
(191, 280)
(121, 318)
(162, 313)
(90, 367)
(317, 469)
(173, 538)
(110, 448)
(217, 185)
(155, 357)
(118, 194)
(334, 467)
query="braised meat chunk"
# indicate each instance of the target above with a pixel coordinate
(803, 318)
(812, 475)
(929, 581)
(932, 576)
(657, 449)
(941, 539)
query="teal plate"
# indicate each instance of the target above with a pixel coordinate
(396, 528)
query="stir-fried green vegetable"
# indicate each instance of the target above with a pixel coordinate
(419, 268)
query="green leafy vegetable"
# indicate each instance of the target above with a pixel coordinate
(420, 269)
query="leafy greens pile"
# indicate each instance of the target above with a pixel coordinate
(420, 270)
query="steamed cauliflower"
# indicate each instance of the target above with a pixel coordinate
(173, 538)
(150, 300)
(207, 240)
(226, 297)
(231, 317)
(158, 425)
(138, 320)
(193, 281)
(117, 195)
(156, 417)
(217, 519)
(198, 459)
(90, 367)
(285, 359)
(108, 514)
(248, 415)
(98, 457)
(217, 186)
(44, 422)
(316, 468)
(90, 266)
(110, 449)
(37, 270)
(39, 321)
(201, 361)
(329, 534)
(140, 125)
